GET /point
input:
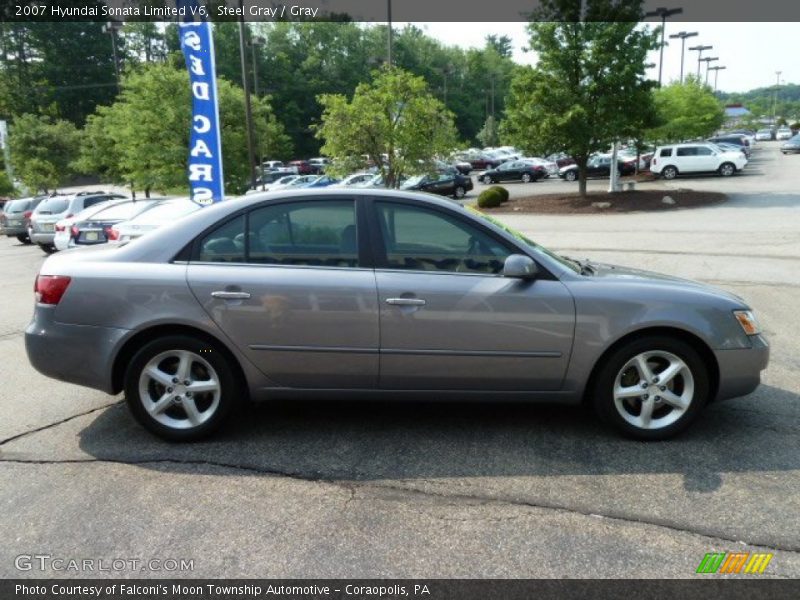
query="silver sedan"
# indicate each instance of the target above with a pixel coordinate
(370, 293)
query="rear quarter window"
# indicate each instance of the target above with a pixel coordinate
(665, 152)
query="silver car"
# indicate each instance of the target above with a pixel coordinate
(369, 293)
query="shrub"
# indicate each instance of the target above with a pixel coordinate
(503, 192)
(490, 198)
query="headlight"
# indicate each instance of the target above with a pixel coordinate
(748, 321)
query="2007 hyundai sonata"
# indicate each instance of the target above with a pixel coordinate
(380, 293)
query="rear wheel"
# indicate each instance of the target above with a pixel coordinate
(47, 248)
(180, 388)
(459, 192)
(669, 172)
(23, 237)
(652, 388)
(526, 178)
(727, 169)
(571, 176)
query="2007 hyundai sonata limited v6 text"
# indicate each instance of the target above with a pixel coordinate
(369, 293)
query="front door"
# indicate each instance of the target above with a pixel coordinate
(449, 320)
(284, 283)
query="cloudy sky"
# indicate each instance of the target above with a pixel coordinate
(751, 52)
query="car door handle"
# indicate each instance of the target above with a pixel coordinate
(230, 295)
(406, 301)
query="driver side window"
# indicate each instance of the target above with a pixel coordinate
(420, 239)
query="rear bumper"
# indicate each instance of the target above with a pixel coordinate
(740, 370)
(42, 238)
(13, 230)
(78, 354)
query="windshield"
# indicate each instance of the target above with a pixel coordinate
(121, 212)
(16, 206)
(166, 211)
(569, 263)
(412, 181)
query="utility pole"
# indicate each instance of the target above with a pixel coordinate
(663, 13)
(255, 41)
(700, 50)
(682, 37)
(111, 27)
(775, 97)
(389, 39)
(248, 109)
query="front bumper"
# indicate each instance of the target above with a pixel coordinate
(79, 354)
(740, 369)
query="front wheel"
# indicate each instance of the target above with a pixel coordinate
(180, 388)
(459, 192)
(526, 178)
(651, 388)
(727, 169)
(571, 176)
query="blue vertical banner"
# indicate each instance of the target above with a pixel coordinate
(205, 146)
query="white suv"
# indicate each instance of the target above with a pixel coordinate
(669, 161)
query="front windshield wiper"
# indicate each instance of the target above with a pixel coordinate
(584, 265)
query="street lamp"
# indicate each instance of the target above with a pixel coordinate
(716, 70)
(663, 13)
(700, 50)
(255, 41)
(707, 60)
(389, 33)
(682, 37)
(775, 98)
(111, 28)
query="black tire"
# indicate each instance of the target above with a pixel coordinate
(228, 397)
(47, 248)
(602, 392)
(571, 176)
(23, 238)
(669, 172)
(459, 192)
(727, 169)
(526, 178)
(487, 180)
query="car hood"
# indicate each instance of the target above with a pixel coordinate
(627, 275)
(792, 144)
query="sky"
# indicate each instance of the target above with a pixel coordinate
(750, 52)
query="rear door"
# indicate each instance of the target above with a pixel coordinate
(288, 284)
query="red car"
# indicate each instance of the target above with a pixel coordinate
(303, 167)
(561, 159)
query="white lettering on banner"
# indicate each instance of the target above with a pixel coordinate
(205, 124)
(201, 173)
(192, 40)
(203, 196)
(200, 90)
(197, 66)
(201, 147)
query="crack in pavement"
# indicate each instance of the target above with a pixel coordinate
(353, 486)
(57, 423)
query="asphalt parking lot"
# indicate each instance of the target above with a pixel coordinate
(435, 490)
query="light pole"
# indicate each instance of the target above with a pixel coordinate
(707, 60)
(663, 13)
(389, 33)
(775, 97)
(682, 37)
(248, 109)
(716, 70)
(255, 41)
(111, 27)
(700, 50)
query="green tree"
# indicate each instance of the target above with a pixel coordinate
(131, 141)
(685, 111)
(489, 135)
(394, 120)
(588, 87)
(6, 185)
(42, 150)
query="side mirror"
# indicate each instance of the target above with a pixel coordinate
(520, 266)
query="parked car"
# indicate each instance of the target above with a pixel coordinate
(97, 228)
(671, 161)
(748, 133)
(63, 233)
(303, 167)
(310, 294)
(277, 184)
(731, 148)
(792, 146)
(628, 156)
(444, 184)
(56, 208)
(483, 160)
(162, 213)
(302, 181)
(462, 166)
(319, 164)
(783, 133)
(550, 167)
(15, 220)
(736, 139)
(561, 159)
(515, 170)
(765, 135)
(322, 181)
(597, 166)
(354, 179)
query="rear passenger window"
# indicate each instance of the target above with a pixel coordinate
(666, 152)
(688, 151)
(224, 244)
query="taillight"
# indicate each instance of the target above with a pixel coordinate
(60, 227)
(27, 214)
(74, 231)
(112, 233)
(49, 289)
(652, 162)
